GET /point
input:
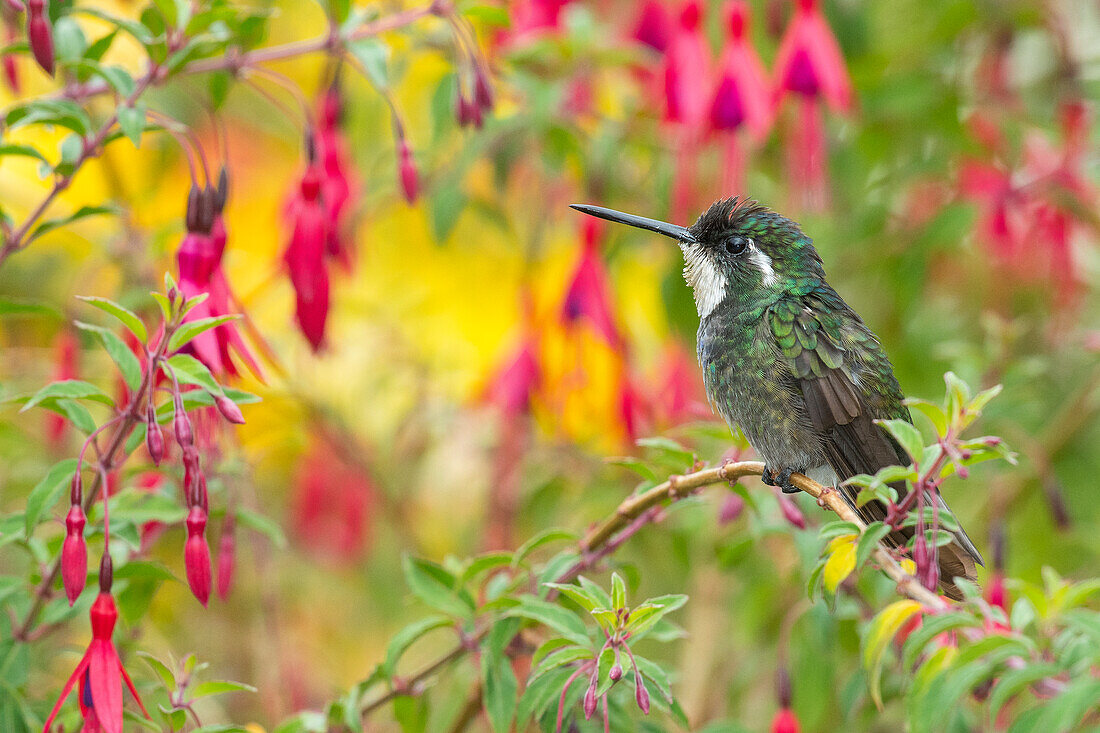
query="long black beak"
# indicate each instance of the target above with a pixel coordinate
(669, 230)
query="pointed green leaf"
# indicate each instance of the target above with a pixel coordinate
(128, 317)
(191, 329)
(72, 389)
(120, 353)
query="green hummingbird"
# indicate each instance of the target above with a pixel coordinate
(786, 360)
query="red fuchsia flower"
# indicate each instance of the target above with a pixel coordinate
(654, 26)
(196, 555)
(742, 97)
(100, 671)
(337, 186)
(589, 294)
(687, 92)
(634, 410)
(333, 503)
(305, 256)
(732, 507)
(74, 551)
(227, 556)
(533, 18)
(410, 179)
(999, 207)
(11, 34)
(809, 63)
(515, 385)
(680, 397)
(151, 482)
(199, 260)
(66, 348)
(785, 721)
(790, 511)
(40, 34)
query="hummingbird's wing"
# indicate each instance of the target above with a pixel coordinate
(846, 383)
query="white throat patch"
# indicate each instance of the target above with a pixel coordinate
(706, 280)
(764, 264)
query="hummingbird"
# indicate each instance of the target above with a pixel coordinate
(787, 361)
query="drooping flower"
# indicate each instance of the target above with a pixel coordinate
(74, 552)
(687, 91)
(785, 721)
(305, 256)
(407, 174)
(199, 260)
(680, 395)
(634, 410)
(227, 556)
(809, 64)
(338, 187)
(513, 387)
(654, 25)
(532, 18)
(40, 34)
(790, 511)
(333, 503)
(742, 96)
(11, 34)
(66, 349)
(196, 554)
(100, 672)
(588, 297)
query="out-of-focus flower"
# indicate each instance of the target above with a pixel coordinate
(998, 219)
(687, 70)
(410, 179)
(785, 721)
(654, 25)
(809, 64)
(40, 34)
(227, 556)
(514, 386)
(589, 294)
(74, 552)
(790, 511)
(332, 504)
(532, 18)
(100, 672)
(680, 395)
(66, 348)
(338, 187)
(199, 260)
(742, 96)
(11, 34)
(732, 507)
(634, 410)
(305, 256)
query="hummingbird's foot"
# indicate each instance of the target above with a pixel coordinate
(782, 479)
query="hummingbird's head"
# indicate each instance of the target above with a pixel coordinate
(737, 248)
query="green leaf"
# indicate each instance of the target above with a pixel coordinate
(639, 467)
(907, 436)
(436, 587)
(558, 656)
(554, 617)
(445, 207)
(131, 120)
(219, 687)
(644, 617)
(618, 592)
(372, 54)
(594, 590)
(932, 411)
(48, 491)
(669, 452)
(135, 29)
(540, 692)
(877, 639)
(61, 112)
(22, 150)
(264, 525)
(189, 370)
(869, 540)
(72, 389)
(74, 412)
(484, 563)
(118, 78)
(499, 689)
(119, 352)
(405, 638)
(163, 671)
(542, 538)
(577, 594)
(68, 40)
(126, 316)
(191, 329)
(82, 213)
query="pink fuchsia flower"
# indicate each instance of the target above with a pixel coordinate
(227, 556)
(74, 553)
(790, 511)
(196, 555)
(66, 348)
(407, 173)
(338, 187)
(199, 261)
(635, 412)
(742, 96)
(40, 34)
(809, 64)
(680, 397)
(100, 671)
(785, 721)
(654, 25)
(11, 34)
(999, 226)
(332, 504)
(687, 70)
(305, 256)
(588, 296)
(533, 18)
(515, 384)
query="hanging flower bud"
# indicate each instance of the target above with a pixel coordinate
(185, 436)
(409, 178)
(641, 693)
(791, 512)
(227, 557)
(154, 436)
(616, 673)
(76, 490)
(483, 92)
(40, 35)
(74, 554)
(590, 697)
(785, 721)
(229, 410)
(731, 509)
(928, 571)
(305, 256)
(11, 32)
(196, 555)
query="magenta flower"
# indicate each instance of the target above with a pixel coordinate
(338, 187)
(66, 350)
(589, 294)
(790, 511)
(333, 504)
(809, 63)
(681, 397)
(742, 98)
(514, 386)
(654, 26)
(305, 257)
(686, 71)
(410, 179)
(634, 410)
(40, 34)
(532, 18)
(199, 261)
(100, 671)
(196, 555)
(227, 557)
(11, 34)
(74, 552)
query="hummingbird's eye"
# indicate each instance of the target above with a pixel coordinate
(737, 245)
